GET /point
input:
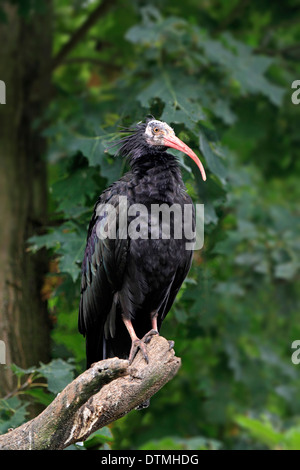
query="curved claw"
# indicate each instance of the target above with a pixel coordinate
(135, 346)
(140, 344)
(147, 337)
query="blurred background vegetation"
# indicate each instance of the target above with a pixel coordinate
(220, 73)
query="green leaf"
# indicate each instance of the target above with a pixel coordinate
(58, 373)
(66, 192)
(19, 372)
(180, 106)
(175, 443)
(71, 254)
(291, 440)
(12, 413)
(287, 270)
(263, 431)
(98, 438)
(244, 66)
(212, 155)
(40, 395)
(68, 241)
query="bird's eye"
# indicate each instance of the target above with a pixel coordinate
(156, 130)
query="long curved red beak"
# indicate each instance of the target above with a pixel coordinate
(175, 143)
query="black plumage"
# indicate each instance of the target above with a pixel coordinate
(129, 283)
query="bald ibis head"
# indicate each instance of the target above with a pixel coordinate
(154, 137)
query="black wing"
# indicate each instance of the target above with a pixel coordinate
(102, 271)
(179, 277)
(181, 273)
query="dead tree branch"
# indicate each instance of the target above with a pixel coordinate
(102, 394)
(78, 35)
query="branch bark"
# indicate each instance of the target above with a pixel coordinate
(102, 394)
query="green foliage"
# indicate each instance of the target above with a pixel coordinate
(174, 443)
(266, 432)
(221, 76)
(101, 439)
(41, 384)
(12, 414)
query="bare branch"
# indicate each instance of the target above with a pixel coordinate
(77, 36)
(102, 394)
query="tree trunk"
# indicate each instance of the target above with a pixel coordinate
(25, 61)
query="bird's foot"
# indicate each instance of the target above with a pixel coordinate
(140, 344)
(147, 337)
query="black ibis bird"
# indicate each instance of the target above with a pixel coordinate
(130, 278)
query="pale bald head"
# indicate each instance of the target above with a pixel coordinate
(156, 132)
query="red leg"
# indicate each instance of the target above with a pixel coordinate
(137, 343)
(154, 321)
